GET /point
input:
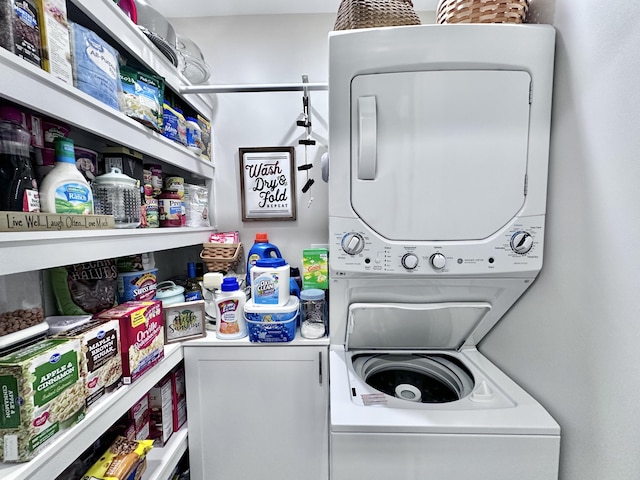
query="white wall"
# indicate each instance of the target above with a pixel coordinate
(570, 340)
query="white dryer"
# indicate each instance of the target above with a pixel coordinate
(439, 145)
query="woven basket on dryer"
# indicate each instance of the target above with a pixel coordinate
(375, 13)
(482, 11)
(221, 257)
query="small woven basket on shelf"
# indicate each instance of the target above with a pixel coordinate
(221, 257)
(354, 14)
(482, 11)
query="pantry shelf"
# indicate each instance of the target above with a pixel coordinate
(37, 89)
(55, 458)
(27, 251)
(162, 461)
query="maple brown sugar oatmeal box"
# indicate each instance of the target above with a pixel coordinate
(100, 359)
(41, 394)
(141, 336)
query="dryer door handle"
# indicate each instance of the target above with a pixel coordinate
(367, 146)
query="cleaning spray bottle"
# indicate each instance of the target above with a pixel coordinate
(261, 249)
(230, 303)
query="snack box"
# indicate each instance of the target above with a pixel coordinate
(42, 394)
(141, 336)
(100, 359)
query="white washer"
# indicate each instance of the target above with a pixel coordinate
(439, 141)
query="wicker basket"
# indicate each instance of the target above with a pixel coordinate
(221, 257)
(354, 14)
(482, 11)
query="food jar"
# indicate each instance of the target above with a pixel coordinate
(170, 209)
(117, 194)
(312, 313)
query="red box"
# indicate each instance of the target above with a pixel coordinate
(161, 412)
(179, 392)
(141, 336)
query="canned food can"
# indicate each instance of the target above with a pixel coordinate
(156, 177)
(174, 184)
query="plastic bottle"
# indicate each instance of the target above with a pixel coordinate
(194, 135)
(192, 290)
(230, 303)
(64, 189)
(18, 187)
(260, 249)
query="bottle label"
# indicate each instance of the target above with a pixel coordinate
(74, 198)
(227, 319)
(266, 288)
(192, 296)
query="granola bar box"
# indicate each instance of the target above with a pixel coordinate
(41, 395)
(100, 359)
(141, 336)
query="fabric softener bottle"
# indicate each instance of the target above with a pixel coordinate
(260, 249)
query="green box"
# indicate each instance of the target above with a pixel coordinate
(42, 394)
(315, 268)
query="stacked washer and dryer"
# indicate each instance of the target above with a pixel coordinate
(439, 147)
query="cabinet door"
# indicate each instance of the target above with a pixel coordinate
(257, 412)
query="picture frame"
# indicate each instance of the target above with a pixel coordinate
(184, 321)
(267, 183)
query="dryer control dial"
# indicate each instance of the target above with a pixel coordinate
(438, 261)
(409, 261)
(352, 243)
(521, 242)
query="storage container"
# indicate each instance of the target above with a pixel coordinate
(270, 324)
(137, 285)
(119, 195)
(270, 282)
(170, 293)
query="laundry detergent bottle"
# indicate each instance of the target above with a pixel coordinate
(261, 249)
(230, 303)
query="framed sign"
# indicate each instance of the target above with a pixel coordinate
(183, 321)
(267, 183)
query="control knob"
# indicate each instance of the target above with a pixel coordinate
(409, 261)
(521, 242)
(352, 243)
(438, 261)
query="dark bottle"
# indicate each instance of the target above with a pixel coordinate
(18, 186)
(192, 289)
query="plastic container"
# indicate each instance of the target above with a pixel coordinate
(169, 293)
(272, 324)
(312, 313)
(18, 187)
(230, 304)
(270, 282)
(261, 249)
(62, 323)
(117, 194)
(137, 285)
(64, 189)
(170, 209)
(194, 135)
(211, 283)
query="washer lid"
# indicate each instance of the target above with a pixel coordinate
(413, 326)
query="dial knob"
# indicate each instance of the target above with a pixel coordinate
(352, 243)
(409, 261)
(438, 261)
(521, 242)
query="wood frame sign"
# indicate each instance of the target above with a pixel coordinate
(267, 183)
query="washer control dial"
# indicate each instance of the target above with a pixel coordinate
(409, 261)
(521, 242)
(438, 261)
(352, 243)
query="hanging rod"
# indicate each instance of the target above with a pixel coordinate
(266, 87)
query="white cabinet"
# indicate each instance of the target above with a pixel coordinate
(257, 411)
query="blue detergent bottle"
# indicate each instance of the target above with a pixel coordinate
(261, 249)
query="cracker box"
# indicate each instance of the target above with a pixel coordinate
(141, 336)
(179, 393)
(100, 361)
(42, 394)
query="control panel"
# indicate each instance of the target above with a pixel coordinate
(515, 248)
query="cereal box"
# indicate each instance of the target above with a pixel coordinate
(315, 268)
(100, 361)
(42, 394)
(141, 336)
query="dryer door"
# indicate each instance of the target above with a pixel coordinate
(439, 155)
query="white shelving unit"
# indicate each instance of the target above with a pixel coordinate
(68, 446)
(36, 89)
